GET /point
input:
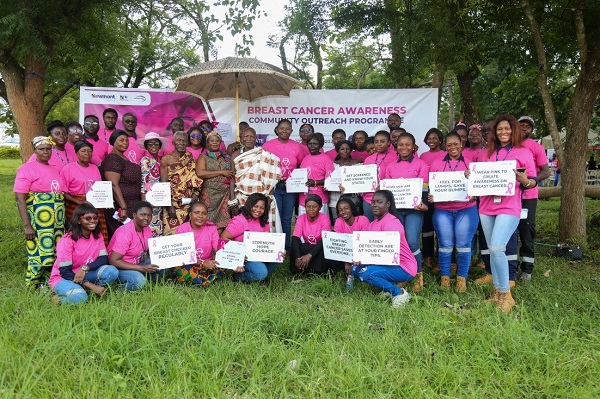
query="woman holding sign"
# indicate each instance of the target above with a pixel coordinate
(382, 157)
(500, 215)
(455, 222)
(349, 220)
(383, 276)
(319, 166)
(253, 218)
(409, 166)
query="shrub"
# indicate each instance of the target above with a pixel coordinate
(9, 153)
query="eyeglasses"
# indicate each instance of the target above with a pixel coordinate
(88, 123)
(196, 136)
(90, 218)
(306, 130)
(153, 143)
(129, 121)
(75, 130)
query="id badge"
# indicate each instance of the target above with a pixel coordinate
(144, 258)
(497, 200)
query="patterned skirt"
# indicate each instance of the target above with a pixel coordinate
(196, 275)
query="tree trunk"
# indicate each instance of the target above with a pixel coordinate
(465, 84)
(550, 192)
(438, 80)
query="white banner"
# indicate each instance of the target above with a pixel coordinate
(492, 178)
(337, 246)
(448, 186)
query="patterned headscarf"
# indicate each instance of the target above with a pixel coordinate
(213, 133)
(40, 140)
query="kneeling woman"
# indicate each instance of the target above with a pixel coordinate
(81, 259)
(386, 277)
(307, 247)
(253, 218)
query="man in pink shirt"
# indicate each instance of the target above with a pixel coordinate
(336, 136)
(91, 126)
(109, 117)
(134, 152)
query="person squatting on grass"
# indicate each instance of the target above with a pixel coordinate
(81, 259)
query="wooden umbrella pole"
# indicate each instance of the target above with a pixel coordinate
(237, 107)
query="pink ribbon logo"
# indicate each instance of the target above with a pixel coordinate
(199, 253)
(309, 172)
(132, 156)
(415, 200)
(358, 237)
(54, 186)
(312, 240)
(148, 187)
(222, 244)
(509, 189)
(473, 167)
(373, 185)
(279, 256)
(396, 261)
(89, 186)
(193, 257)
(325, 234)
(153, 243)
(344, 170)
(248, 235)
(433, 177)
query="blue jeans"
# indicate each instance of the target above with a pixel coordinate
(132, 280)
(498, 230)
(285, 205)
(383, 277)
(256, 271)
(367, 211)
(413, 223)
(455, 229)
(71, 292)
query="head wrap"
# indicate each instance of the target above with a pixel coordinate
(40, 140)
(213, 133)
(80, 144)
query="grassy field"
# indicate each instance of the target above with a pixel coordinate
(301, 338)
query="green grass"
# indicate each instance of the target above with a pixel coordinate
(300, 338)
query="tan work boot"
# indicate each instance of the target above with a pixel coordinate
(428, 262)
(418, 282)
(453, 268)
(511, 283)
(445, 283)
(505, 301)
(494, 297)
(461, 284)
(485, 279)
(481, 264)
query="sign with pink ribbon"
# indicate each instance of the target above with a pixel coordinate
(333, 181)
(100, 194)
(407, 192)
(337, 246)
(296, 183)
(174, 250)
(376, 247)
(264, 247)
(158, 194)
(448, 186)
(231, 255)
(359, 178)
(492, 178)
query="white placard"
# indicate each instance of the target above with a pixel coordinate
(407, 192)
(333, 181)
(296, 183)
(359, 178)
(448, 186)
(264, 247)
(492, 178)
(376, 247)
(171, 251)
(100, 195)
(231, 255)
(337, 246)
(158, 194)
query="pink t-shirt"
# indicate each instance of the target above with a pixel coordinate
(104, 135)
(332, 154)
(409, 169)
(291, 153)
(361, 223)
(450, 165)
(78, 179)
(381, 160)
(134, 152)
(75, 254)
(318, 166)
(510, 204)
(362, 155)
(429, 157)
(391, 223)
(310, 232)
(195, 153)
(472, 153)
(100, 150)
(206, 238)
(240, 224)
(540, 159)
(130, 243)
(36, 177)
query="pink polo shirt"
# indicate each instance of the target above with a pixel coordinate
(429, 157)
(129, 242)
(290, 153)
(409, 169)
(381, 160)
(206, 238)
(75, 254)
(540, 159)
(78, 179)
(361, 223)
(472, 154)
(391, 223)
(318, 167)
(362, 155)
(450, 165)
(310, 232)
(240, 224)
(100, 150)
(36, 177)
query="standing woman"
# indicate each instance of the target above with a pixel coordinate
(382, 157)
(500, 215)
(306, 130)
(74, 135)
(125, 177)
(150, 167)
(319, 166)
(254, 217)
(218, 187)
(343, 149)
(39, 194)
(386, 277)
(409, 167)
(359, 139)
(58, 139)
(476, 144)
(290, 153)
(197, 142)
(455, 222)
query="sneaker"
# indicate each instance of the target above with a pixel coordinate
(525, 278)
(399, 301)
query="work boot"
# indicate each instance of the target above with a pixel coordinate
(505, 301)
(511, 283)
(453, 268)
(418, 282)
(494, 297)
(461, 284)
(428, 262)
(485, 279)
(445, 283)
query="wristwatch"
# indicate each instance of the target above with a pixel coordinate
(85, 268)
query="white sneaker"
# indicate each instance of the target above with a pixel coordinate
(399, 301)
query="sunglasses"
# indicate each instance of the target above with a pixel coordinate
(75, 130)
(153, 143)
(88, 123)
(196, 136)
(206, 128)
(306, 130)
(90, 218)
(129, 121)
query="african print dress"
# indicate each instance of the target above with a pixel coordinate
(215, 191)
(151, 174)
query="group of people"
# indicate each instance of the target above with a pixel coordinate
(220, 192)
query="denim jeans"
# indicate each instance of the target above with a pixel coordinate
(413, 222)
(132, 280)
(455, 229)
(383, 277)
(498, 230)
(71, 292)
(285, 205)
(256, 271)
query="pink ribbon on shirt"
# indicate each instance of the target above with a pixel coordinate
(132, 156)
(54, 186)
(509, 189)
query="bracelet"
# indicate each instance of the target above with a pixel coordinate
(528, 184)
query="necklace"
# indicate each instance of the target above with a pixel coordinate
(61, 158)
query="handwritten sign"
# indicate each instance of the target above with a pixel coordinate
(100, 194)
(171, 251)
(407, 192)
(376, 247)
(333, 181)
(158, 194)
(448, 186)
(231, 255)
(359, 178)
(337, 246)
(264, 247)
(296, 183)
(492, 178)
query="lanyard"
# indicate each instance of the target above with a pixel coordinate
(61, 158)
(449, 165)
(144, 248)
(508, 149)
